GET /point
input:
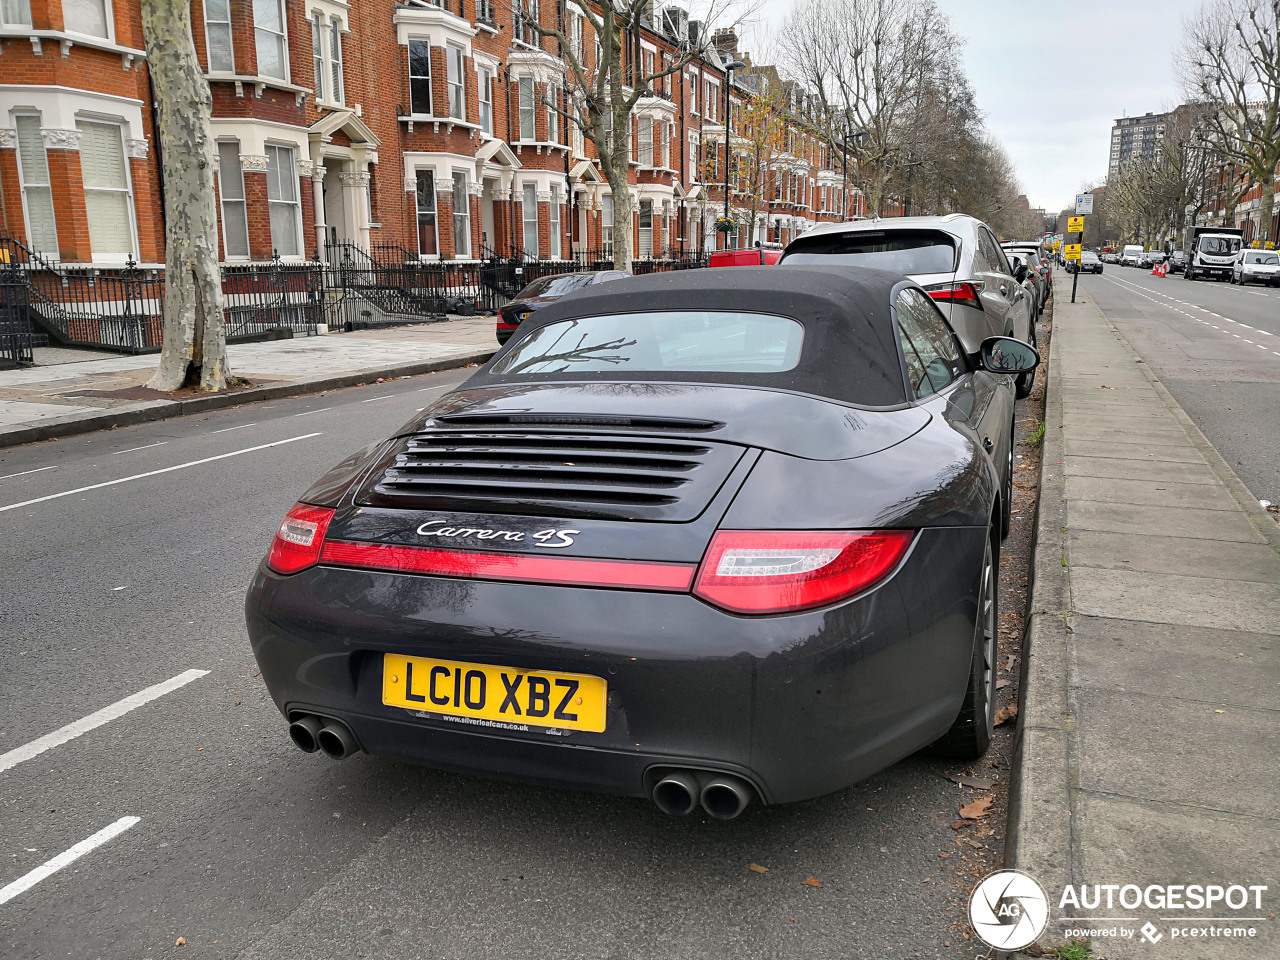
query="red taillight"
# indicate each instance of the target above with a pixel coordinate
(965, 293)
(529, 568)
(300, 538)
(749, 571)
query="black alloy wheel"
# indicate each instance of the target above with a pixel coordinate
(970, 735)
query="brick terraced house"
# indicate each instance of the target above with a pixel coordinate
(416, 128)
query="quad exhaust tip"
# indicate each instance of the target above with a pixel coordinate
(310, 733)
(722, 796)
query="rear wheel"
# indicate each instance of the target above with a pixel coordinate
(970, 734)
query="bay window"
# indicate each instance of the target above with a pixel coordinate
(420, 77)
(283, 202)
(461, 217)
(235, 223)
(108, 198)
(645, 138)
(606, 228)
(217, 36)
(555, 222)
(37, 192)
(271, 41)
(425, 197)
(453, 77)
(529, 217)
(90, 17)
(15, 13)
(645, 251)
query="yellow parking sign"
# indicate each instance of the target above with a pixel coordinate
(1075, 224)
(1072, 251)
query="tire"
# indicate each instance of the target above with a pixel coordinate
(1022, 385)
(1189, 274)
(971, 732)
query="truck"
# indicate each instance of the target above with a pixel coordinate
(1213, 252)
(1131, 254)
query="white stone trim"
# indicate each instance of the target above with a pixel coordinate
(253, 162)
(137, 149)
(542, 66)
(306, 168)
(55, 139)
(433, 24)
(8, 138)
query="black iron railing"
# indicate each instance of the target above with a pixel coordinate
(271, 301)
(16, 335)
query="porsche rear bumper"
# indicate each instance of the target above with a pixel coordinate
(800, 704)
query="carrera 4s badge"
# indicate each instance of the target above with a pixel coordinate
(543, 538)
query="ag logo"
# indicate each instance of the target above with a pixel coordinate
(1009, 910)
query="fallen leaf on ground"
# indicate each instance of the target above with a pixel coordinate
(812, 882)
(959, 824)
(977, 809)
(180, 942)
(756, 868)
(1004, 714)
(974, 782)
(1001, 684)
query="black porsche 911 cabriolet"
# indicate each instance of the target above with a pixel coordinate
(706, 537)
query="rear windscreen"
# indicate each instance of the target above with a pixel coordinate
(555, 286)
(899, 251)
(668, 341)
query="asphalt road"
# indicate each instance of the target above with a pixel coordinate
(1216, 347)
(126, 556)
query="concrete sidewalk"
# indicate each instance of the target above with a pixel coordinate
(37, 403)
(1149, 748)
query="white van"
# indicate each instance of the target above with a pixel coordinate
(1131, 254)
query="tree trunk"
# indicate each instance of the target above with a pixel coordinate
(195, 346)
(621, 223)
(1266, 208)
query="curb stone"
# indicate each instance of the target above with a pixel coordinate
(164, 409)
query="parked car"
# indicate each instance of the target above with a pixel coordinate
(1256, 266)
(956, 258)
(1039, 265)
(749, 257)
(1090, 262)
(1131, 254)
(1178, 261)
(544, 291)
(610, 561)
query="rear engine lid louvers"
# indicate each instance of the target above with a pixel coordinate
(542, 471)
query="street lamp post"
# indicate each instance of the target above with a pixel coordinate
(729, 67)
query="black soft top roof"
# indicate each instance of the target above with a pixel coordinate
(850, 349)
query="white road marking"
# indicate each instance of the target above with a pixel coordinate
(145, 447)
(50, 867)
(96, 719)
(307, 413)
(8, 476)
(385, 396)
(226, 429)
(152, 473)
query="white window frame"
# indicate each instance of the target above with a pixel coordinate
(420, 212)
(277, 150)
(644, 141)
(24, 185)
(318, 33)
(527, 222)
(484, 84)
(554, 221)
(281, 38)
(694, 152)
(127, 190)
(553, 114)
(644, 249)
(337, 80)
(109, 21)
(455, 59)
(12, 13)
(526, 110)
(575, 36)
(413, 107)
(224, 202)
(606, 227)
(209, 25)
(694, 83)
(461, 219)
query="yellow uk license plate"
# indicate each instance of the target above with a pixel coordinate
(540, 698)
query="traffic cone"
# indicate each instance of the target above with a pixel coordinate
(1155, 269)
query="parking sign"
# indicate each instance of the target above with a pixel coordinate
(1084, 203)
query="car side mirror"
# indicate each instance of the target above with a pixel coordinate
(1007, 355)
(1019, 268)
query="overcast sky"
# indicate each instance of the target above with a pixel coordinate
(1052, 77)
